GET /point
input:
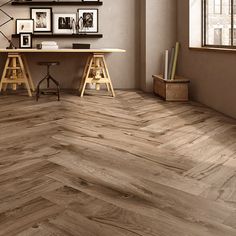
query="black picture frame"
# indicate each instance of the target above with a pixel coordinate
(27, 31)
(97, 20)
(22, 44)
(35, 21)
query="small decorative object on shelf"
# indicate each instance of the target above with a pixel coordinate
(81, 46)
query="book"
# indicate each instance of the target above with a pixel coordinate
(172, 54)
(49, 43)
(166, 64)
(50, 47)
(173, 71)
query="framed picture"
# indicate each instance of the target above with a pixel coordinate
(25, 40)
(24, 26)
(87, 20)
(42, 19)
(64, 23)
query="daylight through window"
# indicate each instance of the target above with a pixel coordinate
(219, 17)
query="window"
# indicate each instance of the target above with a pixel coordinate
(219, 17)
(217, 6)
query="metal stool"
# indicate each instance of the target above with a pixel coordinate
(47, 78)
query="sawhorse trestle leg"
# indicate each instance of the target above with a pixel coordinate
(16, 72)
(96, 72)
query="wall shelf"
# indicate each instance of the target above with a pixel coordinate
(56, 3)
(62, 35)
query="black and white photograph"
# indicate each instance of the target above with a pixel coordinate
(88, 20)
(64, 23)
(24, 26)
(25, 40)
(42, 19)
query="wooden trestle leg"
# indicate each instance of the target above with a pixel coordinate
(96, 72)
(16, 72)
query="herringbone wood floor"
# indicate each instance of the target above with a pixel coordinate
(99, 166)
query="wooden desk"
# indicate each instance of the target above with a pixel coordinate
(102, 51)
(95, 71)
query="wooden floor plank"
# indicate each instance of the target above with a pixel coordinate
(133, 165)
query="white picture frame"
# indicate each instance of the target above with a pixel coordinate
(42, 19)
(24, 26)
(64, 23)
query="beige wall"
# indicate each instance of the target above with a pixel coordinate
(158, 33)
(212, 74)
(118, 24)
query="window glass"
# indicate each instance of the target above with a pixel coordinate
(218, 22)
(217, 6)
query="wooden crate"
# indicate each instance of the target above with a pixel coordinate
(171, 90)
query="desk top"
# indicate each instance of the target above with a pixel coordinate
(34, 50)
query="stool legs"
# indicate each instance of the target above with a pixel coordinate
(47, 79)
(96, 72)
(16, 72)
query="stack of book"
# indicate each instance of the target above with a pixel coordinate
(171, 58)
(49, 45)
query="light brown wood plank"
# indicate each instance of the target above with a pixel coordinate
(133, 165)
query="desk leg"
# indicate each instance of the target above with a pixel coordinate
(27, 84)
(86, 78)
(96, 72)
(108, 76)
(14, 73)
(85, 73)
(4, 74)
(27, 70)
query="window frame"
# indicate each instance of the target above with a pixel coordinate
(204, 27)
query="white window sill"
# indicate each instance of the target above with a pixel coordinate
(213, 49)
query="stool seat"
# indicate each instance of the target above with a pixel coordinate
(49, 63)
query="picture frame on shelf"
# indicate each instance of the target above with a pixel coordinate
(42, 19)
(64, 23)
(87, 20)
(25, 40)
(24, 26)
